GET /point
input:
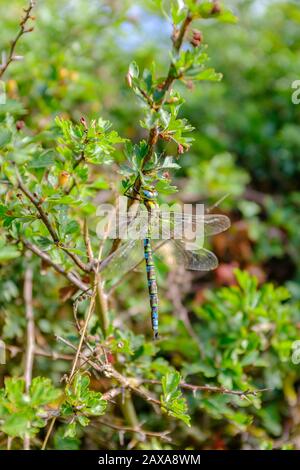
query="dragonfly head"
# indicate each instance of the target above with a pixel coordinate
(149, 193)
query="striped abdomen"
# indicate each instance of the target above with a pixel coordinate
(152, 285)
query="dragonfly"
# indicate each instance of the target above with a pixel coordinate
(150, 226)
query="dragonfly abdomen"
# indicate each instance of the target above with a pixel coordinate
(152, 285)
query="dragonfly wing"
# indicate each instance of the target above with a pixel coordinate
(129, 226)
(215, 223)
(200, 260)
(207, 224)
(126, 258)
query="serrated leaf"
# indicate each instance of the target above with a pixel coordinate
(16, 425)
(43, 392)
(170, 383)
(172, 401)
(208, 74)
(14, 388)
(164, 187)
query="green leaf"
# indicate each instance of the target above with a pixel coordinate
(16, 425)
(94, 142)
(72, 227)
(20, 412)
(70, 431)
(134, 70)
(3, 210)
(80, 397)
(8, 253)
(178, 11)
(45, 160)
(206, 10)
(170, 383)
(164, 187)
(15, 388)
(83, 420)
(42, 392)
(44, 243)
(5, 137)
(208, 74)
(226, 16)
(172, 401)
(65, 443)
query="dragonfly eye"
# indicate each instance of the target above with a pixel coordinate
(149, 194)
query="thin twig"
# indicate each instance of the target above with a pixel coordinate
(84, 267)
(44, 445)
(108, 371)
(111, 394)
(95, 292)
(23, 30)
(101, 296)
(178, 40)
(9, 442)
(36, 202)
(84, 329)
(73, 278)
(82, 338)
(87, 242)
(134, 383)
(162, 435)
(45, 219)
(30, 337)
(211, 388)
(75, 307)
(40, 352)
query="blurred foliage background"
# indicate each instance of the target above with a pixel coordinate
(241, 326)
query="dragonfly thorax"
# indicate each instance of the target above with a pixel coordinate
(148, 196)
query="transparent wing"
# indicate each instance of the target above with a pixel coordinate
(201, 260)
(130, 254)
(126, 258)
(161, 223)
(208, 224)
(195, 260)
(130, 226)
